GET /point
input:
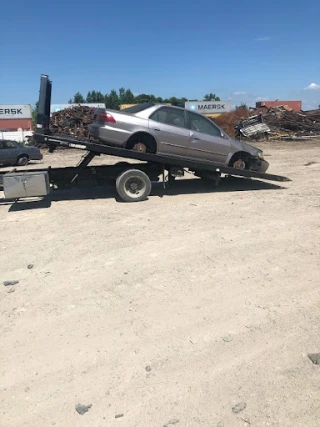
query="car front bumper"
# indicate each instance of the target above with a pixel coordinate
(263, 166)
(259, 165)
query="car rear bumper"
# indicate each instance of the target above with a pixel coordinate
(38, 156)
(109, 135)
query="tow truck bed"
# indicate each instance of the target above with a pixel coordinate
(133, 180)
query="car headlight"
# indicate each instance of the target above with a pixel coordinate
(260, 155)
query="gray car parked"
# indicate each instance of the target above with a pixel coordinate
(13, 153)
(173, 131)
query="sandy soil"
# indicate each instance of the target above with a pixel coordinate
(168, 312)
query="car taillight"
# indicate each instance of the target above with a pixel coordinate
(106, 118)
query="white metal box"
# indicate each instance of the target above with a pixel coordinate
(28, 184)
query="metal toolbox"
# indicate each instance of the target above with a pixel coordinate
(27, 184)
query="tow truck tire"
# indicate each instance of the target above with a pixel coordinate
(133, 185)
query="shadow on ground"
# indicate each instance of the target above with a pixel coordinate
(181, 186)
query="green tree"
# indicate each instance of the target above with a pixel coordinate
(129, 97)
(211, 97)
(183, 101)
(174, 101)
(139, 99)
(95, 97)
(89, 97)
(99, 97)
(35, 114)
(122, 94)
(112, 100)
(78, 99)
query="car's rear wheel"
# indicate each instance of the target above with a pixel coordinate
(22, 160)
(142, 143)
(140, 146)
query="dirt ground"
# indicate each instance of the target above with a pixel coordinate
(165, 312)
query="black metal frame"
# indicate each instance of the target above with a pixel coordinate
(43, 117)
(98, 148)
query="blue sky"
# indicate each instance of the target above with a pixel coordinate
(241, 50)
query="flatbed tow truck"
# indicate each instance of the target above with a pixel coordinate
(133, 181)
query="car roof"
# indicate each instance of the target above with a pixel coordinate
(8, 140)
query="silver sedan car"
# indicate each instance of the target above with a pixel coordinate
(173, 131)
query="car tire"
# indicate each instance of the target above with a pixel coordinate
(142, 143)
(239, 164)
(240, 160)
(133, 185)
(22, 160)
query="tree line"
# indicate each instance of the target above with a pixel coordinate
(114, 99)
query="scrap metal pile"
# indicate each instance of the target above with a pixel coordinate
(293, 123)
(72, 121)
(277, 123)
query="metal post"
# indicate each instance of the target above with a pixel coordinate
(83, 164)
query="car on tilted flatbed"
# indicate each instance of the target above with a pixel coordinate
(12, 153)
(173, 131)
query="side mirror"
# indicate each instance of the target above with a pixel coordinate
(223, 135)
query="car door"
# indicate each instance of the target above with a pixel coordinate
(169, 127)
(3, 157)
(11, 151)
(207, 142)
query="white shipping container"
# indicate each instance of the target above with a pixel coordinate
(207, 107)
(13, 111)
(20, 135)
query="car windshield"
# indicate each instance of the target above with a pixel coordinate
(139, 107)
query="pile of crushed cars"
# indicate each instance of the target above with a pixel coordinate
(72, 121)
(279, 123)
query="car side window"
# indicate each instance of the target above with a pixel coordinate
(169, 116)
(203, 125)
(9, 144)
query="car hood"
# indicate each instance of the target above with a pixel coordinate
(242, 146)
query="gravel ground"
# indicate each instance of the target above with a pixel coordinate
(195, 308)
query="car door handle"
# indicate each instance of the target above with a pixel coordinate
(157, 129)
(195, 138)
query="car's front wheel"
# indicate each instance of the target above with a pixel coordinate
(240, 160)
(22, 160)
(239, 164)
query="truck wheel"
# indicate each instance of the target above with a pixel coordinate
(22, 160)
(133, 185)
